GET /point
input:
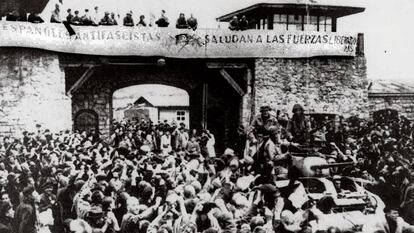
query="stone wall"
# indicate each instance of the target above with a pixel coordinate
(96, 96)
(321, 85)
(32, 91)
(403, 103)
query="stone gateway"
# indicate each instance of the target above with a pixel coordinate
(60, 82)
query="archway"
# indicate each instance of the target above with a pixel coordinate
(219, 92)
(87, 121)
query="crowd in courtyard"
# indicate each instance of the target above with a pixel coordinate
(166, 178)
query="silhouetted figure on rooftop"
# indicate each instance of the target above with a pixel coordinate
(70, 16)
(192, 22)
(243, 23)
(128, 20)
(181, 22)
(12, 16)
(55, 18)
(234, 24)
(142, 22)
(76, 19)
(162, 22)
(86, 19)
(35, 18)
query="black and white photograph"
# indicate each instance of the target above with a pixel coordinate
(206, 116)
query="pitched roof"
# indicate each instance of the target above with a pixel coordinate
(142, 102)
(163, 101)
(337, 8)
(388, 87)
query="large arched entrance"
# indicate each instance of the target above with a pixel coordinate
(219, 92)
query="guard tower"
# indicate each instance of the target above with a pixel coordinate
(323, 84)
(294, 15)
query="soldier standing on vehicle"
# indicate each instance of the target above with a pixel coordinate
(263, 128)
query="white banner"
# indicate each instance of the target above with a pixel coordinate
(178, 43)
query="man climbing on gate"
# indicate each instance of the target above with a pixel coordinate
(264, 132)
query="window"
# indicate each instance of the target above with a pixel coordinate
(180, 115)
(263, 23)
(295, 22)
(328, 24)
(279, 22)
(324, 22)
(311, 23)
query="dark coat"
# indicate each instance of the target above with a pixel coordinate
(130, 224)
(25, 218)
(6, 225)
(407, 212)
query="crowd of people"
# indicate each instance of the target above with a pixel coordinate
(167, 178)
(110, 18)
(241, 24)
(96, 18)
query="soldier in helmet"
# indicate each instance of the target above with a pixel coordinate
(298, 127)
(264, 132)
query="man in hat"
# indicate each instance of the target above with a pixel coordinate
(95, 16)
(193, 146)
(243, 23)
(55, 18)
(106, 20)
(142, 23)
(69, 16)
(182, 137)
(113, 20)
(128, 21)
(192, 22)
(76, 19)
(163, 20)
(264, 127)
(234, 23)
(86, 18)
(181, 22)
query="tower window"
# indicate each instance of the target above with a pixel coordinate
(280, 22)
(311, 23)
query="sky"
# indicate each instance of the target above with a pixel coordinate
(154, 93)
(387, 25)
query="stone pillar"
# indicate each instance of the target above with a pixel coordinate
(245, 108)
(32, 91)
